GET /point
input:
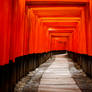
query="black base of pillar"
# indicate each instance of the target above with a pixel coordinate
(84, 61)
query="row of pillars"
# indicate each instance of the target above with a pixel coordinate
(10, 74)
(84, 61)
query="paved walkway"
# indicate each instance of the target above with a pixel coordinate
(58, 77)
(58, 74)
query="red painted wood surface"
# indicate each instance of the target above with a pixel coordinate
(5, 29)
(26, 33)
(25, 30)
(63, 0)
(17, 29)
(90, 31)
(58, 43)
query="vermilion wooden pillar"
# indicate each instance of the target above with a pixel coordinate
(17, 32)
(82, 35)
(90, 31)
(37, 35)
(26, 33)
(31, 31)
(5, 29)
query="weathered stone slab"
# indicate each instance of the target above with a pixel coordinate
(60, 86)
(58, 81)
(58, 90)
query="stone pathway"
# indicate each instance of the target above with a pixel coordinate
(61, 75)
(58, 74)
(31, 81)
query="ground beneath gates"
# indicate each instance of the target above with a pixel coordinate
(58, 74)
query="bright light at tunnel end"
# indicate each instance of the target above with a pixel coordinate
(50, 29)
